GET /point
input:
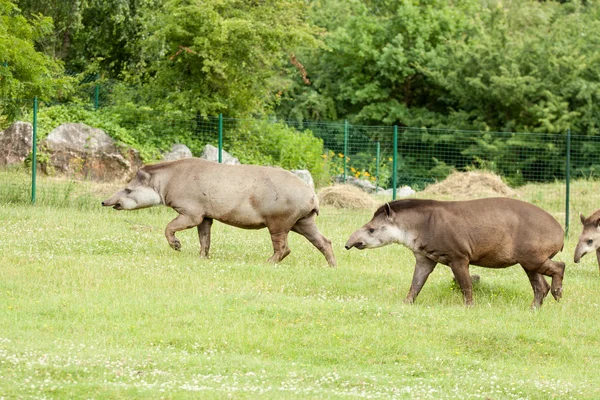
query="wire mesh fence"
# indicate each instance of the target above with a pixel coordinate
(541, 165)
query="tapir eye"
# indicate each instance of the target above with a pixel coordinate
(589, 242)
(127, 191)
(371, 230)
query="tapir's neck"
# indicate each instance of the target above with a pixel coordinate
(158, 183)
(407, 224)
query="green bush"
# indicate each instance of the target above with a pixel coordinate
(274, 143)
(251, 141)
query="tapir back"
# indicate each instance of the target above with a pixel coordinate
(241, 195)
(495, 232)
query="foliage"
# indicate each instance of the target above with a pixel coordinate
(106, 33)
(252, 141)
(369, 68)
(218, 56)
(499, 66)
(526, 66)
(272, 143)
(25, 72)
(361, 166)
(167, 68)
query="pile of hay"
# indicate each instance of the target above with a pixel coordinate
(345, 196)
(470, 185)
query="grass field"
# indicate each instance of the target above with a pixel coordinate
(94, 304)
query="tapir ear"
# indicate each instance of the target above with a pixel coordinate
(582, 219)
(388, 211)
(143, 176)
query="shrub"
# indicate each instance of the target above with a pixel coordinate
(274, 143)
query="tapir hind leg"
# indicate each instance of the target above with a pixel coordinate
(540, 287)
(204, 236)
(307, 227)
(180, 223)
(423, 267)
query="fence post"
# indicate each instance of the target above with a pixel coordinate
(345, 146)
(377, 169)
(220, 138)
(568, 182)
(96, 96)
(34, 151)
(395, 164)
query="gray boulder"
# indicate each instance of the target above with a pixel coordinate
(402, 191)
(178, 151)
(16, 143)
(305, 176)
(363, 184)
(82, 151)
(211, 153)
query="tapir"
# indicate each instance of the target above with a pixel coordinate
(491, 232)
(589, 240)
(244, 196)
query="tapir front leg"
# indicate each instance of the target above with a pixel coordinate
(204, 236)
(460, 269)
(423, 267)
(180, 223)
(540, 287)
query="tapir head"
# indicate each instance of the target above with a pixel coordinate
(589, 240)
(137, 194)
(381, 230)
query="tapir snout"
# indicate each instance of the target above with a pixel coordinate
(112, 203)
(359, 245)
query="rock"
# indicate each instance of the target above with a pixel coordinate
(16, 143)
(403, 191)
(178, 151)
(82, 151)
(305, 176)
(211, 153)
(363, 184)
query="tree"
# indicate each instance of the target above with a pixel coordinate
(528, 66)
(93, 34)
(25, 72)
(219, 56)
(369, 68)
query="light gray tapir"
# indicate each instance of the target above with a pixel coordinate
(493, 233)
(589, 240)
(245, 196)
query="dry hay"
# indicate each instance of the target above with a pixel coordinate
(470, 185)
(345, 196)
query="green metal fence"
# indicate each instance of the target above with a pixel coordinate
(386, 156)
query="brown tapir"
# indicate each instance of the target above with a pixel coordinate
(589, 240)
(245, 196)
(492, 232)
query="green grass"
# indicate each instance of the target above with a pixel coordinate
(94, 304)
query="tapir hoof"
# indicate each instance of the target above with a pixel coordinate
(175, 245)
(557, 293)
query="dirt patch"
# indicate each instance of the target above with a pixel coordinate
(470, 185)
(345, 196)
